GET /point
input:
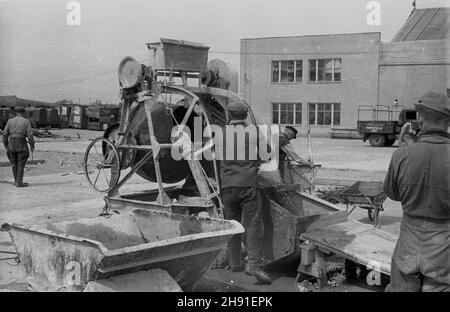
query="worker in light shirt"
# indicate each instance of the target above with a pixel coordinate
(287, 151)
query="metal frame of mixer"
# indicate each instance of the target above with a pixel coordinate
(150, 90)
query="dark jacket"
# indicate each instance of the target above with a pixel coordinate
(16, 133)
(419, 177)
(235, 172)
(282, 141)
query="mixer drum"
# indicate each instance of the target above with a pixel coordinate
(172, 171)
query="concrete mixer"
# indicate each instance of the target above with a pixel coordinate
(178, 85)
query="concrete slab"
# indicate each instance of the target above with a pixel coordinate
(148, 281)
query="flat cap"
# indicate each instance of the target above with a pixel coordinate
(434, 101)
(19, 109)
(293, 130)
(238, 110)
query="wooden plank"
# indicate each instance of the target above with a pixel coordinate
(356, 241)
(321, 268)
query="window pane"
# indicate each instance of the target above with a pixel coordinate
(275, 71)
(337, 63)
(327, 118)
(312, 75)
(321, 63)
(298, 113)
(287, 71)
(337, 118)
(337, 76)
(337, 70)
(320, 117)
(290, 117)
(275, 113)
(312, 114)
(299, 71)
(283, 117)
(327, 107)
(321, 75)
(328, 74)
(337, 107)
(312, 70)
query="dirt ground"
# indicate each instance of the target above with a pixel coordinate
(58, 191)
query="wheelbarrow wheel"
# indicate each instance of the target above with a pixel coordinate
(372, 214)
(102, 164)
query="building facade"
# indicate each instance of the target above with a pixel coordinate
(320, 81)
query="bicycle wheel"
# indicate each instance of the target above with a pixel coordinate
(102, 165)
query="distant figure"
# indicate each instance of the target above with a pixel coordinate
(15, 135)
(419, 177)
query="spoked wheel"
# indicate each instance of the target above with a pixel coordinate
(102, 165)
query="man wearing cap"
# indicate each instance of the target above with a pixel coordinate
(419, 177)
(287, 151)
(15, 135)
(241, 199)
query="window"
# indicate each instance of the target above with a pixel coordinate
(325, 70)
(287, 71)
(287, 113)
(324, 114)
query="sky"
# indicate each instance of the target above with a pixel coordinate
(42, 57)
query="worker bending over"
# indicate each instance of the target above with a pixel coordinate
(419, 177)
(287, 151)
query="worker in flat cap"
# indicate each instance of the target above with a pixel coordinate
(240, 196)
(288, 154)
(419, 177)
(15, 136)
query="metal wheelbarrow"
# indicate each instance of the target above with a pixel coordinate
(366, 195)
(69, 254)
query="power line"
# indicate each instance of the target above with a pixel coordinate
(95, 75)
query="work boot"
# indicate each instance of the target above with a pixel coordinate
(22, 184)
(261, 276)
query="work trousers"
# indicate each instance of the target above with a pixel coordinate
(421, 256)
(18, 160)
(243, 204)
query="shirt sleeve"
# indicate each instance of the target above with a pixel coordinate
(292, 154)
(390, 182)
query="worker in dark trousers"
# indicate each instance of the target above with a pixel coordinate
(287, 151)
(15, 135)
(419, 177)
(241, 199)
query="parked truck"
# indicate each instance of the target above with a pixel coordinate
(384, 123)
